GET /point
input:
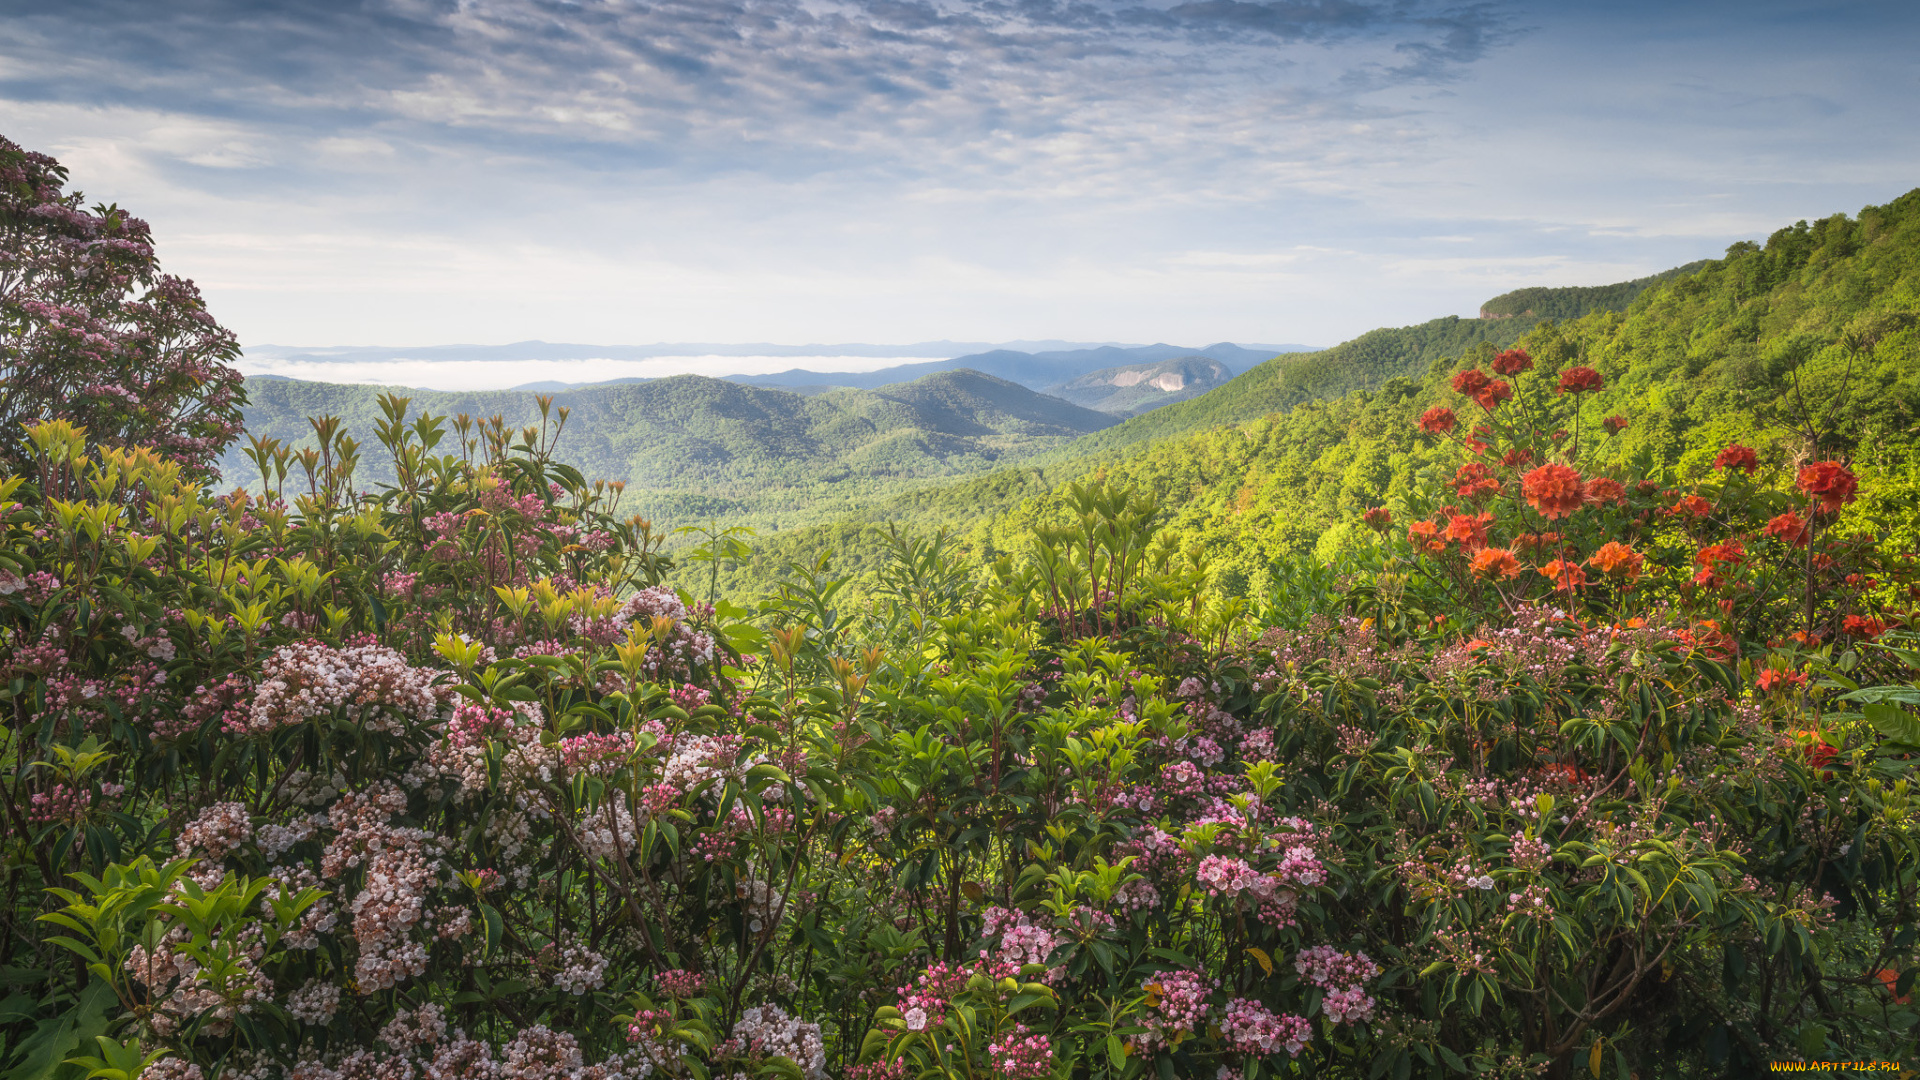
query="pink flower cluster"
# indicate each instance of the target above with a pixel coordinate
(1176, 1008)
(680, 983)
(1021, 942)
(1342, 976)
(1019, 1055)
(1251, 1028)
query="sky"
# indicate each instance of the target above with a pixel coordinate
(414, 172)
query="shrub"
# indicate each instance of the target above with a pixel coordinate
(439, 780)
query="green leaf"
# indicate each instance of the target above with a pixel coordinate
(1893, 722)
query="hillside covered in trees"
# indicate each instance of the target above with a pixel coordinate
(1812, 330)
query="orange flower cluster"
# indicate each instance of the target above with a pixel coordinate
(1775, 679)
(1790, 528)
(1379, 519)
(1564, 575)
(1475, 481)
(1605, 489)
(1863, 626)
(1616, 559)
(1690, 506)
(1614, 425)
(1555, 490)
(1488, 392)
(1496, 562)
(1469, 530)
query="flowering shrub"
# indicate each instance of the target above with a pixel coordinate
(93, 333)
(442, 781)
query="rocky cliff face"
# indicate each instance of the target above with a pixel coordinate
(1136, 388)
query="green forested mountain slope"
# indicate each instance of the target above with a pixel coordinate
(1571, 303)
(693, 446)
(1818, 325)
(1363, 363)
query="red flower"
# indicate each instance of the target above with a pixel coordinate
(1512, 362)
(1789, 528)
(1772, 678)
(1830, 482)
(1863, 627)
(1579, 380)
(1470, 381)
(1691, 504)
(1739, 457)
(1553, 489)
(1565, 575)
(1438, 420)
(1617, 559)
(1379, 519)
(1420, 532)
(1469, 530)
(1491, 395)
(1493, 561)
(1517, 457)
(1605, 489)
(1614, 424)
(1475, 481)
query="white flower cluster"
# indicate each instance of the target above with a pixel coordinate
(276, 840)
(609, 829)
(581, 970)
(372, 683)
(182, 990)
(402, 865)
(767, 1031)
(701, 758)
(419, 1028)
(314, 1003)
(218, 830)
(764, 906)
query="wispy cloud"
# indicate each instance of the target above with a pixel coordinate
(413, 170)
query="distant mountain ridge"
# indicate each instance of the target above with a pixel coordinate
(714, 443)
(545, 350)
(1135, 388)
(1034, 370)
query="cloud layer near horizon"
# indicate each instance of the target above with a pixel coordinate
(421, 170)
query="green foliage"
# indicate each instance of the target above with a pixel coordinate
(1573, 302)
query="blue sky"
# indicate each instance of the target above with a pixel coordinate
(420, 171)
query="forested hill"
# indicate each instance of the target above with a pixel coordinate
(1362, 363)
(1575, 302)
(1818, 322)
(715, 439)
(1820, 326)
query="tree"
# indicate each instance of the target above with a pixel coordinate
(91, 331)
